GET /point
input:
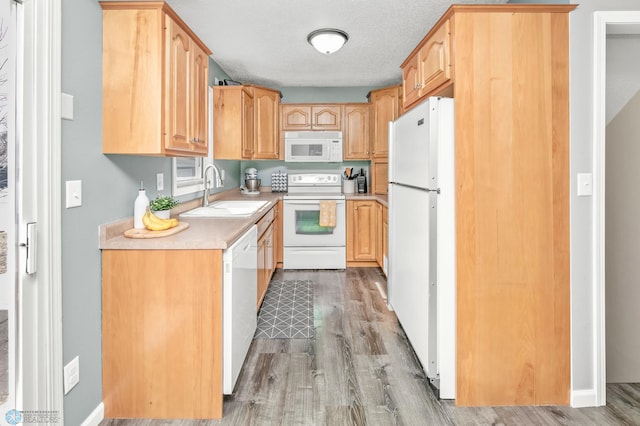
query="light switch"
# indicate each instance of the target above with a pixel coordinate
(585, 184)
(66, 106)
(74, 193)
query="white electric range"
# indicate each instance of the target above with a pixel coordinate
(307, 245)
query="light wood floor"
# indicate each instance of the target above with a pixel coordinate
(360, 370)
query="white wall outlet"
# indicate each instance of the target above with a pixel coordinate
(223, 174)
(74, 193)
(160, 182)
(71, 374)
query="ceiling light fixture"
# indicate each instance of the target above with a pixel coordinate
(327, 40)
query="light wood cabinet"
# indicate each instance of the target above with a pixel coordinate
(148, 325)
(246, 123)
(386, 106)
(355, 132)
(266, 140)
(512, 245)
(296, 117)
(361, 231)
(267, 249)
(279, 243)
(380, 176)
(430, 65)
(379, 239)
(382, 237)
(233, 119)
(154, 82)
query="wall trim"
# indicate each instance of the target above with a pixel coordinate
(583, 398)
(600, 22)
(95, 417)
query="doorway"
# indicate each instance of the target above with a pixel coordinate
(610, 200)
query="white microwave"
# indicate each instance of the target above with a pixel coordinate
(313, 147)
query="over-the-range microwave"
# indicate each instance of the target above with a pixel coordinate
(313, 147)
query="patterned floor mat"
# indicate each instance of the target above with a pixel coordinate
(287, 311)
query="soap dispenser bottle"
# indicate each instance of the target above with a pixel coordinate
(140, 207)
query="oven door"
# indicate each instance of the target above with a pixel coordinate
(302, 228)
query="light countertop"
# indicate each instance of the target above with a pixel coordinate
(203, 233)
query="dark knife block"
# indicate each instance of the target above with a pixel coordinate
(361, 183)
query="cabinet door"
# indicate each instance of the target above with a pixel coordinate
(278, 232)
(326, 117)
(265, 104)
(199, 100)
(270, 264)
(380, 176)
(178, 75)
(379, 239)
(363, 231)
(295, 117)
(410, 82)
(355, 132)
(435, 60)
(262, 269)
(247, 124)
(385, 238)
(385, 107)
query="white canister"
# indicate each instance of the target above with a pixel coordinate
(349, 186)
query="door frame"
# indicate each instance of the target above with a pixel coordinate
(42, 130)
(600, 22)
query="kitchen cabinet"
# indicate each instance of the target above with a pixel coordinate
(266, 134)
(382, 229)
(386, 106)
(267, 230)
(162, 333)
(233, 117)
(154, 82)
(380, 176)
(296, 117)
(430, 66)
(512, 245)
(246, 123)
(361, 231)
(355, 132)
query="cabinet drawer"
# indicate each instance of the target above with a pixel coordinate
(265, 221)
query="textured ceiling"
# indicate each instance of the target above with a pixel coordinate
(265, 42)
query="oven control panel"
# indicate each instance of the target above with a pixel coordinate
(313, 179)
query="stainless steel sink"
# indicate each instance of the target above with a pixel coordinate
(234, 208)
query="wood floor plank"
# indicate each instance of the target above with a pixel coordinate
(359, 369)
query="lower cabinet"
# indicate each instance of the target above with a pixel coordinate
(267, 249)
(361, 231)
(367, 228)
(162, 333)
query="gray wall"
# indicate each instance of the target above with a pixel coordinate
(623, 71)
(109, 187)
(623, 243)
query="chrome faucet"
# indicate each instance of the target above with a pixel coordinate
(218, 182)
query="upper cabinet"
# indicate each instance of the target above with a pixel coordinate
(355, 132)
(429, 67)
(296, 117)
(154, 82)
(266, 106)
(245, 123)
(386, 106)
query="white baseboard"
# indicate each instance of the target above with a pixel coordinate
(583, 398)
(95, 417)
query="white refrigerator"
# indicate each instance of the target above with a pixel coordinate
(421, 280)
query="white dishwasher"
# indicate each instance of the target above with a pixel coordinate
(239, 293)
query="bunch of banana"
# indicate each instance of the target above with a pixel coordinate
(154, 223)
